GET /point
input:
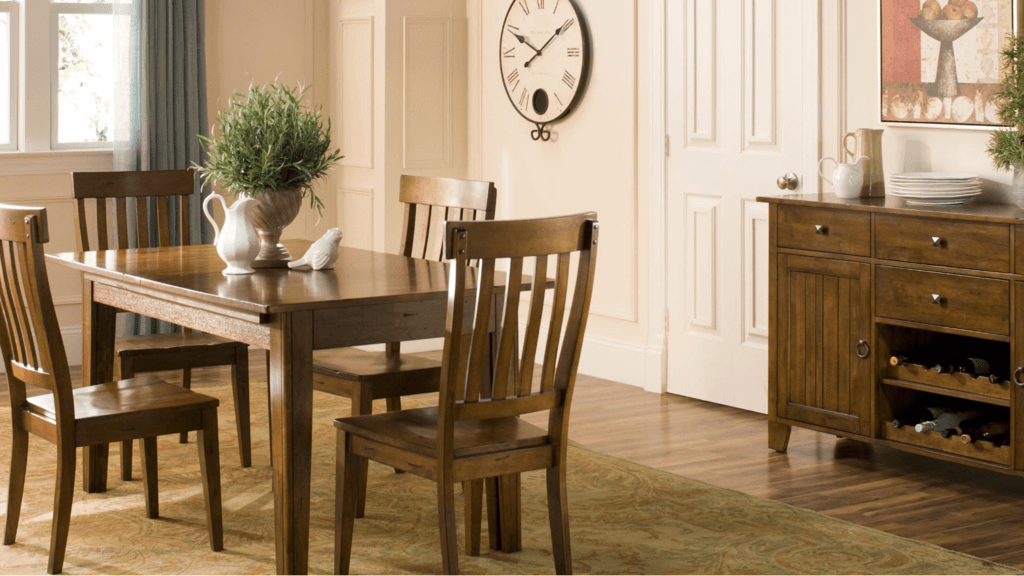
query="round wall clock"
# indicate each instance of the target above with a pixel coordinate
(545, 60)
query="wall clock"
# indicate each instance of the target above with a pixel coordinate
(545, 60)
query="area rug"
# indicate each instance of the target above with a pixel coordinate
(624, 518)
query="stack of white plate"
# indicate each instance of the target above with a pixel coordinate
(934, 188)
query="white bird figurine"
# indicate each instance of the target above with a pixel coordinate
(322, 254)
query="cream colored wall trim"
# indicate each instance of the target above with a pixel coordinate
(55, 162)
(416, 125)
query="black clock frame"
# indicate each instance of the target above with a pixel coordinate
(541, 132)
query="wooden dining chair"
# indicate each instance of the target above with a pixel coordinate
(467, 437)
(363, 376)
(182, 350)
(138, 408)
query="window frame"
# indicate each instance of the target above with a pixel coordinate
(13, 8)
(56, 9)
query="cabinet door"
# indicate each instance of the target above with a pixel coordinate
(824, 335)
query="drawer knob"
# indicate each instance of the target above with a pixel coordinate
(819, 229)
(1017, 374)
(862, 350)
(936, 299)
(937, 241)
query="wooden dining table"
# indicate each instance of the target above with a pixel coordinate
(369, 298)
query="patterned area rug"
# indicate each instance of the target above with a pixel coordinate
(625, 519)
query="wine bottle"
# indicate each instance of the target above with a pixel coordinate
(924, 355)
(947, 419)
(915, 415)
(996, 378)
(899, 360)
(967, 365)
(984, 431)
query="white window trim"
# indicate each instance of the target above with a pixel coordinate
(13, 8)
(56, 9)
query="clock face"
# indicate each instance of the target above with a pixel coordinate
(545, 52)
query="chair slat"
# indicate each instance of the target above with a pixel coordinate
(10, 308)
(408, 229)
(572, 344)
(509, 331)
(480, 344)
(184, 217)
(81, 226)
(142, 221)
(18, 285)
(432, 250)
(419, 236)
(547, 380)
(537, 293)
(163, 220)
(121, 205)
(101, 225)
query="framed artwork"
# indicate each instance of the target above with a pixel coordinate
(940, 61)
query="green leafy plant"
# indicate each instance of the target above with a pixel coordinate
(269, 141)
(1006, 146)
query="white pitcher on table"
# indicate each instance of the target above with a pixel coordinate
(237, 242)
(847, 179)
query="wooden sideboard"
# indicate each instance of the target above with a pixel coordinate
(853, 282)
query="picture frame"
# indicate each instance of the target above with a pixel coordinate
(940, 62)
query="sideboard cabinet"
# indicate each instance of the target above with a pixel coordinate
(855, 282)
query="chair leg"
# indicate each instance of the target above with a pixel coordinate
(149, 476)
(240, 390)
(362, 405)
(186, 383)
(446, 519)
(473, 494)
(395, 405)
(63, 497)
(125, 369)
(493, 522)
(16, 487)
(346, 496)
(209, 466)
(558, 513)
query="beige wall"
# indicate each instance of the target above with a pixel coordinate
(596, 161)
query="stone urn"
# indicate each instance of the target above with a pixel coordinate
(275, 211)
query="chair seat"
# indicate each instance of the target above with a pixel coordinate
(145, 396)
(416, 431)
(361, 366)
(185, 342)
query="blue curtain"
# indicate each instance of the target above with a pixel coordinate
(160, 105)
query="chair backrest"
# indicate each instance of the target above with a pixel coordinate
(430, 202)
(30, 338)
(466, 343)
(162, 186)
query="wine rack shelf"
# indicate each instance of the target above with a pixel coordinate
(855, 282)
(956, 385)
(983, 451)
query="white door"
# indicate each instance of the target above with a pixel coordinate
(740, 113)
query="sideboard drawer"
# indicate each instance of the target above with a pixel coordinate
(956, 243)
(951, 300)
(825, 230)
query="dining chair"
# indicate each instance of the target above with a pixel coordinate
(363, 376)
(468, 437)
(182, 350)
(138, 408)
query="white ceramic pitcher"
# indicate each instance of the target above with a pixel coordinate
(237, 242)
(847, 179)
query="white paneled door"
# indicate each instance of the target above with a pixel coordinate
(741, 112)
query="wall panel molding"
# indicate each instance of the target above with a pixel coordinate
(355, 91)
(427, 119)
(355, 218)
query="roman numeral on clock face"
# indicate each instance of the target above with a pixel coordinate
(540, 4)
(522, 99)
(510, 53)
(569, 79)
(568, 24)
(522, 4)
(556, 6)
(512, 76)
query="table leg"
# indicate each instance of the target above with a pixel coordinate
(291, 420)
(98, 322)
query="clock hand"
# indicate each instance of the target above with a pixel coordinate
(546, 44)
(523, 40)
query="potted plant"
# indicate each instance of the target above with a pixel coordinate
(1007, 144)
(271, 147)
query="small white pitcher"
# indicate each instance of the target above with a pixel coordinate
(237, 242)
(847, 179)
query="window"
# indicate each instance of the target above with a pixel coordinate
(68, 75)
(9, 26)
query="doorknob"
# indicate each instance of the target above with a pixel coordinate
(789, 181)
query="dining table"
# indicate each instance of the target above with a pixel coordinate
(368, 298)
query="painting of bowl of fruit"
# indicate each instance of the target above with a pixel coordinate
(947, 23)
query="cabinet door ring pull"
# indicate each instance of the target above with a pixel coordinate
(863, 345)
(1017, 376)
(820, 229)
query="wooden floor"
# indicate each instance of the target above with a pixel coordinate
(972, 511)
